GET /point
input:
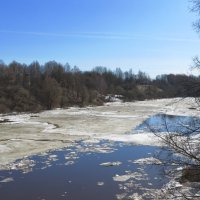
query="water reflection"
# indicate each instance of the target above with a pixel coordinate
(170, 123)
(86, 178)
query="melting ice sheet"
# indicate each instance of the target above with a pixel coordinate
(79, 171)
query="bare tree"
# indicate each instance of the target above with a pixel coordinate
(180, 155)
(183, 145)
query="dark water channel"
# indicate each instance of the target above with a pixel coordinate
(81, 177)
(79, 180)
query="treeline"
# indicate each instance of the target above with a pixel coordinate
(36, 87)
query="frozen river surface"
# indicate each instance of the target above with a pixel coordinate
(85, 153)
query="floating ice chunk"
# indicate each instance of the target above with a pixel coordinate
(136, 196)
(7, 180)
(100, 183)
(126, 177)
(148, 161)
(121, 196)
(70, 162)
(23, 165)
(53, 156)
(110, 164)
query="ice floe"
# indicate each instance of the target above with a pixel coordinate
(126, 177)
(111, 164)
(147, 161)
(100, 183)
(7, 180)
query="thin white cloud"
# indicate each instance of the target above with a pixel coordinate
(102, 35)
(72, 34)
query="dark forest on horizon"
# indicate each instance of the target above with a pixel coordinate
(38, 87)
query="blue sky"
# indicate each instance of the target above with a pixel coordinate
(155, 36)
